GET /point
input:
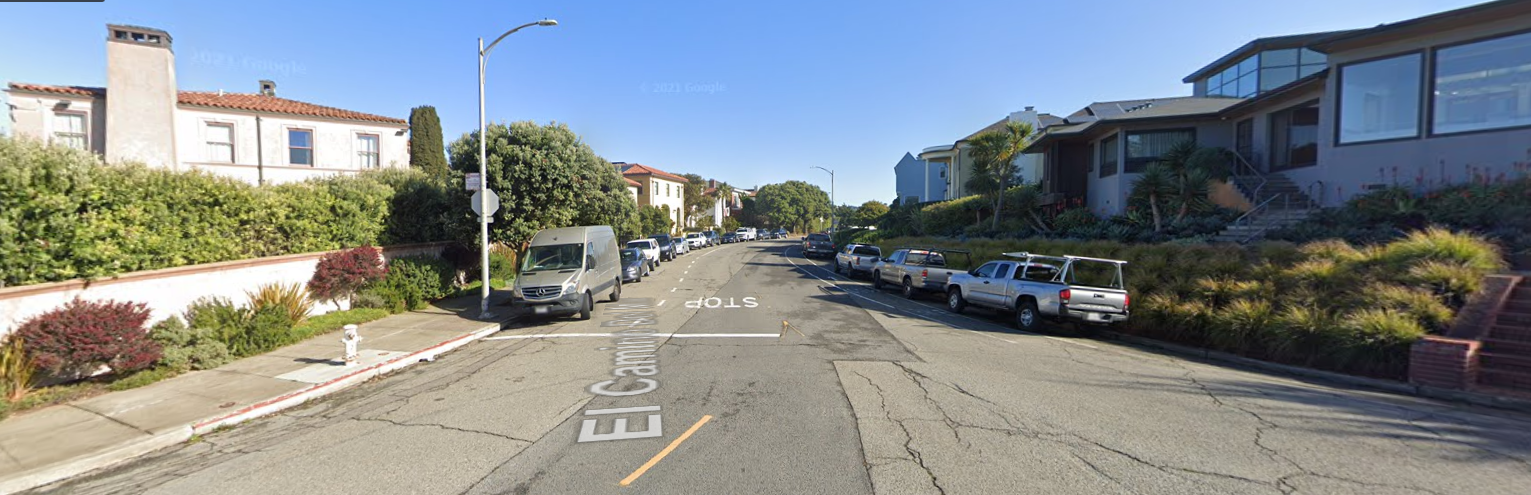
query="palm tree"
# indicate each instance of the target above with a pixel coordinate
(994, 154)
(1190, 170)
(1158, 181)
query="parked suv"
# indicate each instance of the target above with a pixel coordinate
(666, 246)
(818, 244)
(650, 250)
(857, 258)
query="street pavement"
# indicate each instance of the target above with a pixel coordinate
(795, 380)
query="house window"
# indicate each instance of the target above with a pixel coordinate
(366, 151)
(300, 147)
(1379, 99)
(655, 188)
(1294, 136)
(69, 130)
(220, 143)
(1483, 85)
(1244, 139)
(1145, 147)
(1109, 156)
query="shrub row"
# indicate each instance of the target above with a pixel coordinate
(65, 214)
(1499, 208)
(1325, 304)
(971, 217)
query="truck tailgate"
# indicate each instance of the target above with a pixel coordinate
(1083, 298)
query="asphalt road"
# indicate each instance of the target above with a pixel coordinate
(812, 383)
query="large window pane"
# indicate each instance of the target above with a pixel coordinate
(220, 143)
(1312, 57)
(1108, 156)
(1380, 99)
(1215, 81)
(1145, 147)
(1249, 65)
(1247, 85)
(300, 147)
(1484, 85)
(1308, 70)
(69, 130)
(1230, 74)
(1278, 58)
(1275, 78)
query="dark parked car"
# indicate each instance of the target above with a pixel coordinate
(730, 238)
(818, 244)
(712, 237)
(666, 246)
(634, 265)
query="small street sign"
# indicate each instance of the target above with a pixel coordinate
(472, 181)
(494, 202)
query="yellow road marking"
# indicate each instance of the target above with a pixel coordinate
(657, 457)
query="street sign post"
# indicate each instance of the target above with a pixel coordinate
(478, 201)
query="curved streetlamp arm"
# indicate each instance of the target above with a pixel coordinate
(485, 51)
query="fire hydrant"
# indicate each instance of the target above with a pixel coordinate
(351, 339)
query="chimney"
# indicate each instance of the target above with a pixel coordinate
(141, 96)
(712, 183)
(267, 87)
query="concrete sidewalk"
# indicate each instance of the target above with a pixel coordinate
(40, 447)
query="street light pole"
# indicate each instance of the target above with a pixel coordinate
(834, 219)
(483, 168)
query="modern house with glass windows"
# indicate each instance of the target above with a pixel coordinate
(1316, 119)
(142, 116)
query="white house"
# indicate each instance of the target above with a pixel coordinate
(658, 188)
(258, 137)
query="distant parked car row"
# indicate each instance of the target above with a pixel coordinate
(753, 234)
(1033, 287)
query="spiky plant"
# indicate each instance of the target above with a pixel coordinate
(292, 298)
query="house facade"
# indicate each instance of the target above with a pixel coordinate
(658, 188)
(142, 116)
(918, 181)
(1317, 119)
(955, 165)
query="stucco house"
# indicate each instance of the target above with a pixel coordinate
(658, 188)
(918, 181)
(141, 115)
(952, 164)
(1316, 119)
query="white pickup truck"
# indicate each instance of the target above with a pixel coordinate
(1038, 287)
(916, 270)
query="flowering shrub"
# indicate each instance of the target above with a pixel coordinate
(340, 274)
(85, 335)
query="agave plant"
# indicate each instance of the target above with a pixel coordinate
(292, 298)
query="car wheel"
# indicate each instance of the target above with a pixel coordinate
(616, 294)
(584, 311)
(1026, 315)
(877, 280)
(954, 301)
(909, 292)
(837, 267)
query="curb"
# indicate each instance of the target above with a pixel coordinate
(131, 449)
(1400, 388)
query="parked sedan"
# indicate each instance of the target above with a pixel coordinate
(649, 249)
(730, 238)
(635, 265)
(681, 247)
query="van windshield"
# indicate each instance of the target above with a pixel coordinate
(554, 257)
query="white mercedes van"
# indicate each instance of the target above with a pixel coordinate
(565, 270)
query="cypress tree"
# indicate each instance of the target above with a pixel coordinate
(426, 150)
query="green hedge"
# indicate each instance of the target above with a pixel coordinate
(65, 214)
(1325, 304)
(1499, 208)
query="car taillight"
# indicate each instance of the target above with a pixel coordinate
(925, 273)
(1064, 295)
(1126, 299)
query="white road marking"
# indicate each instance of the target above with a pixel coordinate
(672, 289)
(661, 303)
(613, 335)
(681, 280)
(980, 332)
(621, 410)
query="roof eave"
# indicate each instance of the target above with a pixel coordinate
(1493, 10)
(397, 123)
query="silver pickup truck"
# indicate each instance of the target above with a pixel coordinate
(1037, 287)
(916, 270)
(855, 258)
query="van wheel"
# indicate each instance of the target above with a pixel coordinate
(954, 301)
(909, 292)
(616, 293)
(584, 311)
(1026, 316)
(877, 280)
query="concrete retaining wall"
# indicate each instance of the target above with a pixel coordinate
(168, 291)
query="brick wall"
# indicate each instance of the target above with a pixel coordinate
(1475, 317)
(1444, 362)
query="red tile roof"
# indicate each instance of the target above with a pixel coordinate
(232, 101)
(63, 90)
(637, 169)
(633, 183)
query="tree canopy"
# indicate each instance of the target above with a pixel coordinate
(547, 177)
(869, 214)
(425, 142)
(793, 204)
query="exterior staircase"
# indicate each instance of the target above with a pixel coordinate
(1505, 358)
(1278, 202)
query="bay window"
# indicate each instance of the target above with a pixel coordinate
(1482, 85)
(1379, 100)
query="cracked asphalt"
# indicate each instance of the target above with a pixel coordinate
(862, 392)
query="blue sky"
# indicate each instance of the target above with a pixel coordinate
(747, 92)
